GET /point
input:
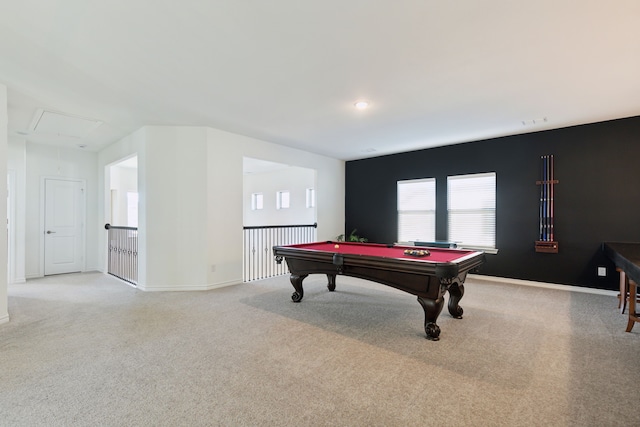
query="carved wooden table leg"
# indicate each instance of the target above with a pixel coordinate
(296, 281)
(432, 310)
(456, 292)
(331, 285)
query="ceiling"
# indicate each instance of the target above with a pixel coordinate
(290, 71)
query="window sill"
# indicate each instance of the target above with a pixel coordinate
(492, 251)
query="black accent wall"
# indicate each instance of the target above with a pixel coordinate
(597, 198)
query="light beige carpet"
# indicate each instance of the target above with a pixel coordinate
(88, 350)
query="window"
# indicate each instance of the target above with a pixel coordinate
(257, 201)
(417, 210)
(472, 209)
(311, 198)
(282, 200)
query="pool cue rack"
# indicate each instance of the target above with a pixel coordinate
(547, 242)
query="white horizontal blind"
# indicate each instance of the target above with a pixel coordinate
(417, 210)
(472, 209)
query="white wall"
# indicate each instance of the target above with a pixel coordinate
(296, 180)
(225, 207)
(190, 186)
(47, 161)
(172, 246)
(175, 202)
(4, 299)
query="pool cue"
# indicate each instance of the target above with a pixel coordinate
(551, 203)
(544, 198)
(546, 192)
(548, 199)
(541, 198)
(546, 186)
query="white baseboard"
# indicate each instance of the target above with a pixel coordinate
(4, 319)
(224, 284)
(569, 288)
(206, 287)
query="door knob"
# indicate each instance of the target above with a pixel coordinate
(50, 232)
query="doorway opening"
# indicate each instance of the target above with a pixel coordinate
(122, 220)
(279, 208)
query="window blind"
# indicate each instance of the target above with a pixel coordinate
(417, 210)
(471, 209)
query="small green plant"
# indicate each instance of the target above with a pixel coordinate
(353, 237)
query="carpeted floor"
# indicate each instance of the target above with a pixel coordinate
(88, 350)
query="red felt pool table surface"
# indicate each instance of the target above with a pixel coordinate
(438, 255)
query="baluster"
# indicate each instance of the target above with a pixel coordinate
(259, 241)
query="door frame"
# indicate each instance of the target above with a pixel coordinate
(11, 225)
(83, 218)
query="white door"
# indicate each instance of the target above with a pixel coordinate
(63, 226)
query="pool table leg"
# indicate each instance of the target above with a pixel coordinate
(456, 292)
(432, 309)
(296, 281)
(331, 285)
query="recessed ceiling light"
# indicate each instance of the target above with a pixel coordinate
(361, 105)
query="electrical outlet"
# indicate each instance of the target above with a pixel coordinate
(602, 271)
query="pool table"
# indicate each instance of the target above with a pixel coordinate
(428, 272)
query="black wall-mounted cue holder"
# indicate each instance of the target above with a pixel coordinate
(547, 243)
(547, 247)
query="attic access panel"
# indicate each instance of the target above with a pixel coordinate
(52, 123)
